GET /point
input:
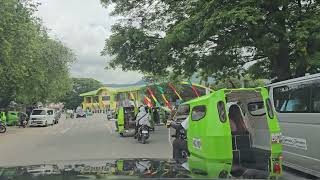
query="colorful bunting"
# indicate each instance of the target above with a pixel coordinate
(153, 97)
(193, 88)
(147, 101)
(164, 97)
(175, 91)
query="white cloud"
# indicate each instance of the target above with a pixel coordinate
(83, 26)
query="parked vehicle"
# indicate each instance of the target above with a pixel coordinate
(42, 117)
(12, 118)
(297, 102)
(23, 119)
(57, 115)
(69, 114)
(3, 128)
(80, 113)
(110, 114)
(3, 117)
(237, 127)
(89, 112)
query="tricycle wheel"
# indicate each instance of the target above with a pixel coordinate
(3, 129)
(143, 140)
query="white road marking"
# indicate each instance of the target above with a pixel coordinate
(65, 130)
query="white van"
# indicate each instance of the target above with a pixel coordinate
(42, 117)
(297, 102)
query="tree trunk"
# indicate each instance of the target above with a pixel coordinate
(282, 64)
(301, 67)
(280, 61)
(232, 84)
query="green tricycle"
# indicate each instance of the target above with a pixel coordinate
(3, 117)
(12, 118)
(235, 129)
(126, 120)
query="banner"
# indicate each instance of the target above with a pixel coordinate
(175, 91)
(193, 88)
(164, 97)
(147, 101)
(153, 97)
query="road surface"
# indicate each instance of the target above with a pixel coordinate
(77, 139)
(81, 139)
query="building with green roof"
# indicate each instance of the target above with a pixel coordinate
(111, 98)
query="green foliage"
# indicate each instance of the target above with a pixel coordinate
(233, 82)
(33, 67)
(216, 38)
(79, 85)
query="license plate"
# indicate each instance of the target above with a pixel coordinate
(144, 132)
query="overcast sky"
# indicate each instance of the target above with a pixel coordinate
(83, 25)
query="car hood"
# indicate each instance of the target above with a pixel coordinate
(98, 169)
(121, 169)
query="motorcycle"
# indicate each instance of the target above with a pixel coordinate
(3, 128)
(181, 135)
(143, 133)
(184, 153)
(23, 123)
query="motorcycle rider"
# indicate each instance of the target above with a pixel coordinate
(141, 119)
(179, 145)
(21, 120)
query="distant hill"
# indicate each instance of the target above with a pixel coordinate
(139, 83)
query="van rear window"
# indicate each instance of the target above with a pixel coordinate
(38, 112)
(292, 98)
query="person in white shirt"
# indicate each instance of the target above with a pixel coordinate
(141, 119)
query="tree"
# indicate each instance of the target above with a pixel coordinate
(79, 85)
(33, 67)
(216, 38)
(235, 82)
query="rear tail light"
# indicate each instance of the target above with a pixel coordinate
(277, 168)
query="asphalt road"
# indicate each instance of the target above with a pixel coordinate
(77, 139)
(82, 139)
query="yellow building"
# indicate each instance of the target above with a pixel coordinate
(110, 98)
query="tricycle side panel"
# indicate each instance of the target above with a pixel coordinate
(121, 119)
(213, 135)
